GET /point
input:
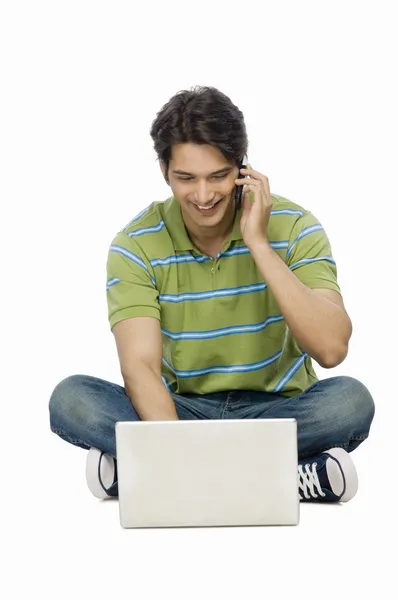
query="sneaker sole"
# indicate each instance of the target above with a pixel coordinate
(349, 470)
(107, 472)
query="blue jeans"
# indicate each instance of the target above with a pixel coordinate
(332, 412)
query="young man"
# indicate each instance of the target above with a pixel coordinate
(218, 311)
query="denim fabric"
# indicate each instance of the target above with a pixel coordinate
(337, 411)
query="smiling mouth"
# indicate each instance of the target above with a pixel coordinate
(205, 209)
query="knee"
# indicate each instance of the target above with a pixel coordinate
(67, 402)
(357, 401)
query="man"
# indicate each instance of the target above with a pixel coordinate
(218, 311)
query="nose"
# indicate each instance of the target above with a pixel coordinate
(203, 194)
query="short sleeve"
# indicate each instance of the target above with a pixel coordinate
(131, 285)
(309, 254)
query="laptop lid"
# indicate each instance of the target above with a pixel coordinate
(207, 472)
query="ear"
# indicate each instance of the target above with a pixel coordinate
(163, 169)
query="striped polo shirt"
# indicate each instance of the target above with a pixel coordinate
(221, 326)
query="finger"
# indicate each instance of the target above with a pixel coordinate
(254, 173)
(262, 179)
(257, 189)
(246, 181)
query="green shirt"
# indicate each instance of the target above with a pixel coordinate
(221, 326)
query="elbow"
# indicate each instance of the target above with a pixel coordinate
(333, 358)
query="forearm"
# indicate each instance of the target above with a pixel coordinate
(149, 396)
(320, 327)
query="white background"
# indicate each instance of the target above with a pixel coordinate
(81, 83)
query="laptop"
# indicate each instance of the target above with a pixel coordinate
(204, 473)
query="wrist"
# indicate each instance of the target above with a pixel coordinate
(260, 248)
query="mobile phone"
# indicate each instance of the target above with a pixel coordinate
(239, 188)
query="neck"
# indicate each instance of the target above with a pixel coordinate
(208, 237)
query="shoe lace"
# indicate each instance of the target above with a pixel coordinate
(309, 484)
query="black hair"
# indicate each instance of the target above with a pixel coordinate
(201, 115)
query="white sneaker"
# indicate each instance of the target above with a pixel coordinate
(101, 473)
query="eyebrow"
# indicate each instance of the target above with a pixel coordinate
(224, 170)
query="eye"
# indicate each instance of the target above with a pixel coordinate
(223, 176)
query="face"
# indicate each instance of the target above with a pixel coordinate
(203, 182)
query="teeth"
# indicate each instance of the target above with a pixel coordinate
(208, 208)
